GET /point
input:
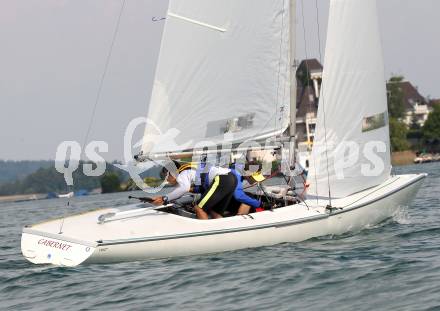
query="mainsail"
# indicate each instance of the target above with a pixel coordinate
(224, 68)
(351, 149)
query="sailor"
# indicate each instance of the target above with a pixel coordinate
(220, 188)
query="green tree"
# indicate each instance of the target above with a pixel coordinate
(110, 183)
(303, 76)
(431, 129)
(396, 98)
(398, 133)
(415, 134)
(47, 179)
(11, 171)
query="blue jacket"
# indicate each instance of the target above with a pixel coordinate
(240, 195)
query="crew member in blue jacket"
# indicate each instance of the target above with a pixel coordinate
(219, 187)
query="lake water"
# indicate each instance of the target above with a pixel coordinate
(394, 266)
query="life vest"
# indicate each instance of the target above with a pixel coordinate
(239, 193)
(201, 183)
(187, 166)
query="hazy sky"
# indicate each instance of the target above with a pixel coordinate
(52, 56)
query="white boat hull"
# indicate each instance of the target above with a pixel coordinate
(156, 234)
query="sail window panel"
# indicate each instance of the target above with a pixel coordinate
(375, 122)
(234, 125)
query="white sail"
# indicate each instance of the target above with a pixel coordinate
(223, 68)
(351, 150)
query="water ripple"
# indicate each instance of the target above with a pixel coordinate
(392, 266)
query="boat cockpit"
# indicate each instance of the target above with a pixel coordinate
(272, 197)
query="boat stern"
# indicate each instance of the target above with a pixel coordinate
(45, 248)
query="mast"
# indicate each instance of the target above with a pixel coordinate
(292, 38)
(293, 83)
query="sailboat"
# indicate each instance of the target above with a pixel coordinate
(227, 66)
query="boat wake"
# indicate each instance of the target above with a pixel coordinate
(402, 216)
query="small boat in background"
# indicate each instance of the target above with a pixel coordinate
(427, 158)
(67, 195)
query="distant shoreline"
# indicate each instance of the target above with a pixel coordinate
(21, 197)
(403, 158)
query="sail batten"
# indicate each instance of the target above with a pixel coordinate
(190, 20)
(222, 69)
(351, 149)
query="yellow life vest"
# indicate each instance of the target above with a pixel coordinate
(187, 166)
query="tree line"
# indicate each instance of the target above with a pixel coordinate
(48, 179)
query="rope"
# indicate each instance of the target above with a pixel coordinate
(323, 106)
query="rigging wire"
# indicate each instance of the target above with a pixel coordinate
(104, 74)
(323, 106)
(308, 82)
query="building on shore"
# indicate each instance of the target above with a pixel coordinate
(417, 108)
(309, 77)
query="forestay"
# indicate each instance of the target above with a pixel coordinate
(352, 116)
(223, 68)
